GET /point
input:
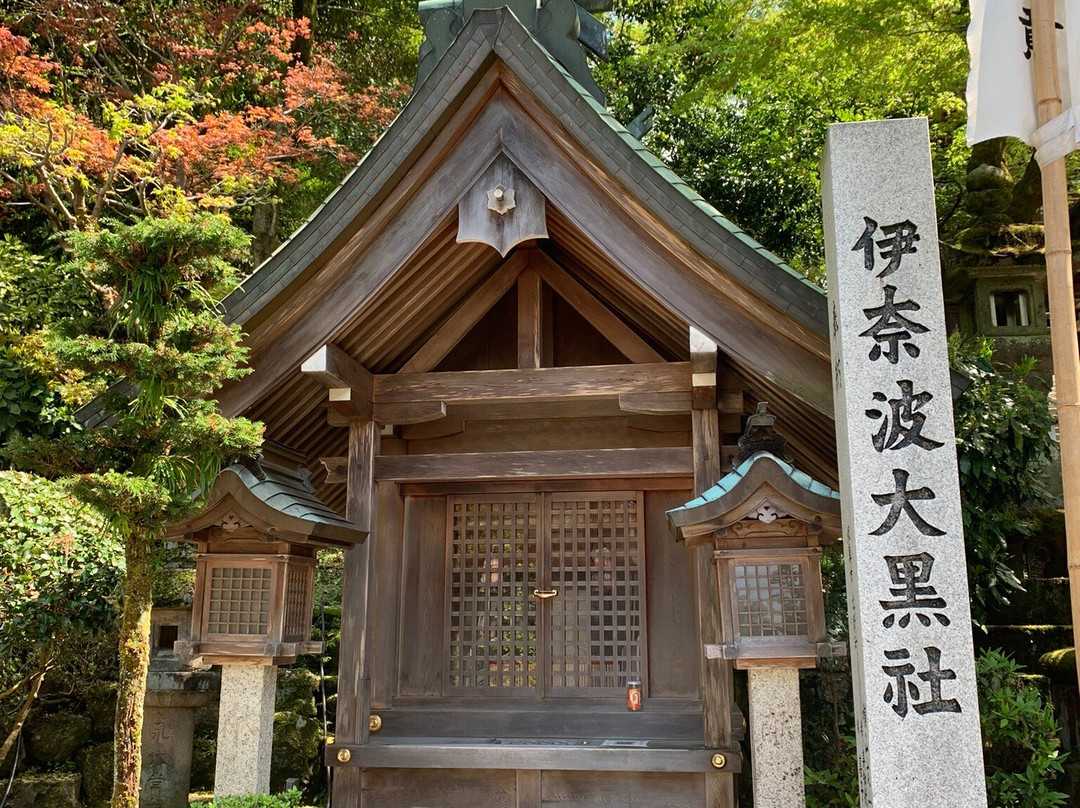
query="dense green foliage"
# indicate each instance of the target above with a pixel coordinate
(744, 91)
(286, 799)
(149, 354)
(60, 572)
(59, 568)
(34, 291)
(1020, 746)
(1020, 737)
(1004, 441)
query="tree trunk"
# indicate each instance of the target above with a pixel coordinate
(134, 662)
(264, 231)
(303, 48)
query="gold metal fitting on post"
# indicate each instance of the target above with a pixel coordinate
(375, 723)
(718, 761)
(344, 755)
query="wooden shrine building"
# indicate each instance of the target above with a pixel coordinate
(504, 348)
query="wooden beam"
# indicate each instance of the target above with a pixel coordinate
(467, 315)
(344, 410)
(655, 403)
(345, 406)
(598, 315)
(336, 369)
(653, 462)
(433, 429)
(529, 319)
(359, 468)
(531, 757)
(541, 384)
(659, 423)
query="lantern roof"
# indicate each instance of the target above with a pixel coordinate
(272, 494)
(761, 478)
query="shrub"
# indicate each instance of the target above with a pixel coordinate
(1020, 737)
(1003, 443)
(286, 799)
(1020, 746)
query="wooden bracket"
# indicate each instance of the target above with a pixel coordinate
(352, 386)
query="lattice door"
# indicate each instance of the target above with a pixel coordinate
(493, 571)
(596, 623)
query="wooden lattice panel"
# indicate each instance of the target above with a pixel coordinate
(597, 621)
(239, 600)
(771, 599)
(493, 570)
(297, 607)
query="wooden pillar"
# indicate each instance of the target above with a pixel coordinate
(717, 696)
(530, 320)
(354, 667)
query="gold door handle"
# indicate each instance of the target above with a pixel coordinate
(544, 594)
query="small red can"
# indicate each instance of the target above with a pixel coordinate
(633, 695)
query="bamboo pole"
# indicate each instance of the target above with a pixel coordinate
(1059, 285)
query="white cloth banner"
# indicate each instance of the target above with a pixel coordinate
(1001, 86)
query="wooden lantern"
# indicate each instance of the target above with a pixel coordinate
(255, 564)
(767, 523)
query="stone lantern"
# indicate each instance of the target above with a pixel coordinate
(256, 538)
(767, 523)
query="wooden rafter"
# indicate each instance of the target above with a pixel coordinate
(596, 313)
(467, 315)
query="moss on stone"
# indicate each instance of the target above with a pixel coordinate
(54, 739)
(95, 764)
(174, 587)
(1025, 644)
(296, 748)
(296, 690)
(1060, 665)
(985, 177)
(50, 790)
(101, 708)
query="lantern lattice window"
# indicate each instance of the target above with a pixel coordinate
(297, 599)
(239, 601)
(771, 599)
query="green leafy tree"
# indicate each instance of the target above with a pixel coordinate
(34, 291)
(150, 355)
(60, 572)
(1003, 433)
(744, 91)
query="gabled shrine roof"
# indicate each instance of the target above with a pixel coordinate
(378, 268)
(497, 33)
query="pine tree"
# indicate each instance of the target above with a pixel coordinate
(149, 357)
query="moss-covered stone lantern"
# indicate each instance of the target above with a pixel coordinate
(256, 540)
